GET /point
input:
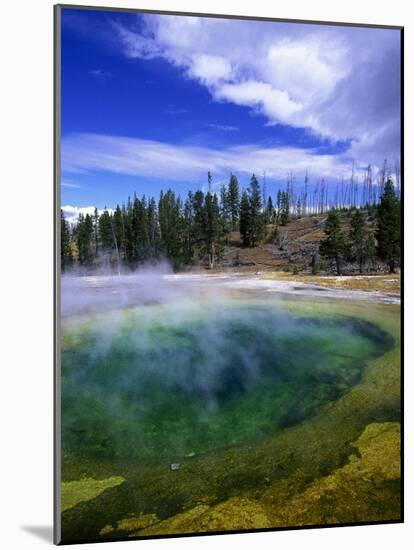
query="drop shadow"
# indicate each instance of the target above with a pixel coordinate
(43, 532)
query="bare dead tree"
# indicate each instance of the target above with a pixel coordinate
(364, 188)
(264, 190)
(317, 197)
(291, 193)
(382, 177)
(352, 191)
(305, 195)
(342, 193)
(369, 184)
(356, 200)
(397, 169)
(322, 196)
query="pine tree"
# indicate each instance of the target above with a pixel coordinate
(127, 228)
(234, 201)
(200, 223)
(270, 211)
(278, 205)
(209, 228)
(188, 228)
(84, 239)
(389, 226)
(245, 219)
(333, 247)
(139, 230)
(171, 227)
(256, 221)
(65, 243)
(95, 221)
(105, 232)
(153, 231)
(119, 230)
(360, 245)
(225, 212)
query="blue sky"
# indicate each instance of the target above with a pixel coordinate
(151, 102)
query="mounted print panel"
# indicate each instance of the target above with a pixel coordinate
(228, 265)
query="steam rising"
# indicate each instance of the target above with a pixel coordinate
(173, 365)
(148, 285)
(158, 284)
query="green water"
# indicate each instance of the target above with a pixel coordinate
(168, 382)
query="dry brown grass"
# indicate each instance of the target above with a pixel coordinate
(389, 283)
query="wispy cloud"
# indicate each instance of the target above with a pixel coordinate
(70, 185)
(100, 73)
(83, 153)
(173, 110)
(223, 127)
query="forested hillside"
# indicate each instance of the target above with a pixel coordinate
(356, 230)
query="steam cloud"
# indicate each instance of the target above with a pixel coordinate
(162, 369)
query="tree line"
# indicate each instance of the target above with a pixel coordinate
(198, 228)
(362, 244)
(179, 231)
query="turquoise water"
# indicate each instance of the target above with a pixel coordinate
(157, 383)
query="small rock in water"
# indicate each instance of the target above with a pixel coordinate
(175, 466)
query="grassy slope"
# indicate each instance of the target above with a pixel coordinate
(299, 235)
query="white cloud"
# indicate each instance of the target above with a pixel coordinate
(303, 68)
(248, 63)
(210, 69)
(139, 157)
(72, 212)
(136, 45)
(338, 82)
(276, 104)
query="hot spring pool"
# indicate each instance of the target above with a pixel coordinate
(163, 382)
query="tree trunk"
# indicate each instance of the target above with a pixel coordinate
(118, 257)
(392, 266)
(338, 266)
(211, 257)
